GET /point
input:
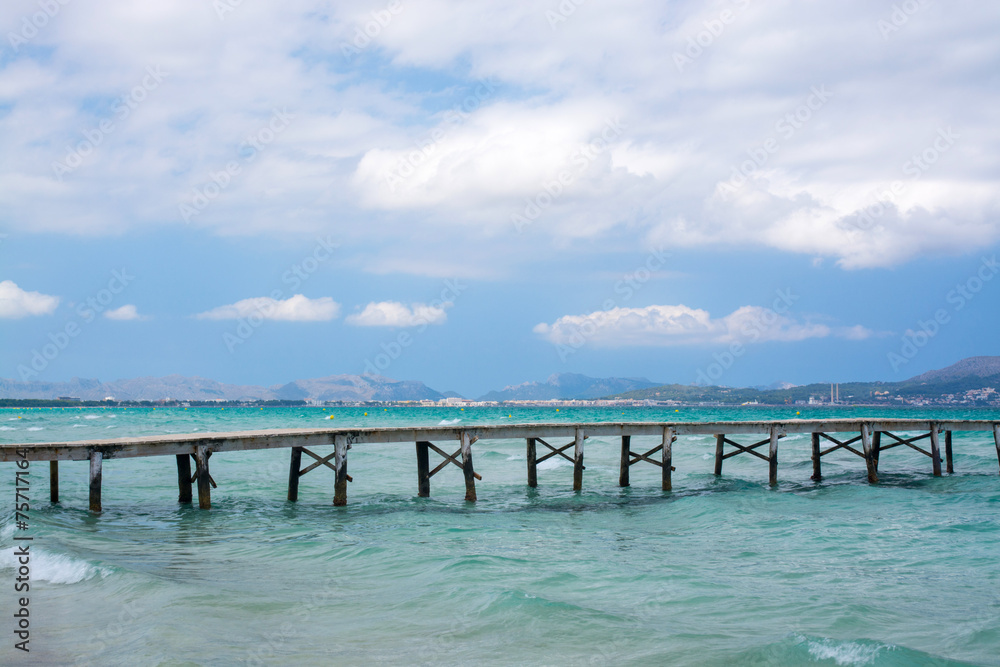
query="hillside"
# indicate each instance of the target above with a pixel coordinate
(567, 386)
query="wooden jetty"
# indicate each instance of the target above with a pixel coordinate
(828, 436)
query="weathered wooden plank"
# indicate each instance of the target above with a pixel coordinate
(54, 481)
(294, 472)
(578, 460)
(251, 440)
(470, 473)
(96, 461)
(340, 468)
(935, 450)
(817, 457)
(201, 456)
(626, 461)
(532, 463)
(183, 478)
(667, 457)
(423, 470)
(866, 442)
(948, 455)
(773, 457)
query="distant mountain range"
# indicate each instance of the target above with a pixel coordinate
(567, 386)
(972, 374)
(968, 375)
(331, 388)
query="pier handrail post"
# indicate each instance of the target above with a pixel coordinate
(667, 456)
(816, 458)
(54, 481)
(578, 461)
(423, 470)
(720, 443)
(470, 473)
(626, 463)
(96, 459)
(340, 468)
(772, 458)
(876, 447)
(532, 463)
(935, 450)
(948, 453)
(294, 468)
(866, 442)
(201, 454)
(183, 478)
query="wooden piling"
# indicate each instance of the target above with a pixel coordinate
(948, 453)
(423, 470)
(201, 454)
(532, 463)
(470, 473)
(578, 462)
(816, 458)
(183, 478)
(996, 439)
(866, 442)
(720, 443)
(667, 454)
(340, 468)
(96, 459)
(626, 461)
(294, 466)
(772, 458)
(54, 481)
(935, 450)
(876, 447)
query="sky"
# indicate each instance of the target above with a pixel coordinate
(479, 194)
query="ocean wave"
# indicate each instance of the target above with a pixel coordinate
(79, 425)
(8, 428)
(448, 422)
(845, 653)
(36, 428)
(92, 416)
(55, 568)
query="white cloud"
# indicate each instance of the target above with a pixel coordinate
(395, 314)
(125, 313)
(16, 303)
(297, 308)
(658, 326)
(660, 181)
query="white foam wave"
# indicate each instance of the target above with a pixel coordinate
(844, 653)
(55, 568)
(79, 425)
(552, 463)
(92, 416)
(517, 457)
(36, 428)
(8, 428)
(448, 422)
(112, 426)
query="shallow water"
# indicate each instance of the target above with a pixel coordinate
(720, 571)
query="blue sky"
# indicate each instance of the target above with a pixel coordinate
(733, 191)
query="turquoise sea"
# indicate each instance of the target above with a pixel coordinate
(721, 571)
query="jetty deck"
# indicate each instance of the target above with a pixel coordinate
(865, 438)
